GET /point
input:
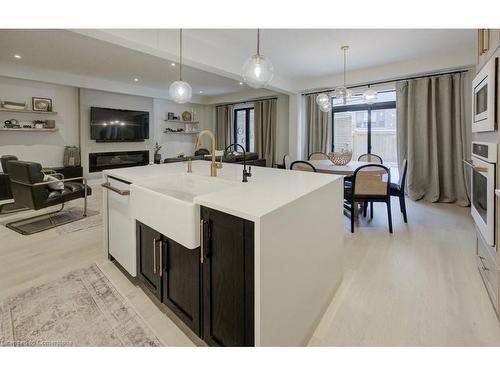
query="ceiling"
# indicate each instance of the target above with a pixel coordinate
(68, 52)
(215, 56)
(303, 53)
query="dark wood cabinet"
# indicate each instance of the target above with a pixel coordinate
(210, 288)
(181, 283)
(149, 270)
(228, 279)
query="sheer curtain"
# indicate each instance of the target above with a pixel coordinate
(432, 136)
(265, 118)
(318, 127)
(223, 126)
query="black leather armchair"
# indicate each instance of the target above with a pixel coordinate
(5, 190)
(29, 190)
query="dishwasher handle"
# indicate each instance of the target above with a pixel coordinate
(108, 186)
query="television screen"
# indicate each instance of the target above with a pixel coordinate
(118, 125)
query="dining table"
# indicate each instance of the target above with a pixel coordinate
(327, 166)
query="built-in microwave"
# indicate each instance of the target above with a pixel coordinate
(483, 98)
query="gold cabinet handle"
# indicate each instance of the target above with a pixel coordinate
(161, 258)
(202, 244)
(154, 256)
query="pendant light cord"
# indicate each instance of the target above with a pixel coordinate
(180, 60)
(345, 62)
(258, 41)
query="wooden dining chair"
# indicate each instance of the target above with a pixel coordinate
(398, 189)
(370, 183)
(301, 165)
(318, 156)
(371, 158)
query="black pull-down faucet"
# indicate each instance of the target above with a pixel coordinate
(245, 173)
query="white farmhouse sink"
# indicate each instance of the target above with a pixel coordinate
(166, 204)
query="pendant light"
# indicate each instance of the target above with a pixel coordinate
(180, 91)
(324, 102)
(258, 70)
(370, 95)
(343, 92)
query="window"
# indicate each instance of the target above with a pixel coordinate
(366, 128)
(244, 128)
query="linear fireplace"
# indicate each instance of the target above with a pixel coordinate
(99, 161)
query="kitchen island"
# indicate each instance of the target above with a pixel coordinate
(253, 263)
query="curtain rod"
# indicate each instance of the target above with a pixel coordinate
(392, 80)
(247, 101)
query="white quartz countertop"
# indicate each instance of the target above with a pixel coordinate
(267, 189)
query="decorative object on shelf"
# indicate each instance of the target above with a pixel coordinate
(39, 124)
(187, 116)
(170, 115)
(157, 155)
(340, 158)
(342, 92)
(42, 104)
(370, 95)
(71, 156)
(49, 124)
(7, 104)
(26, 124)
(180, 91)
(12, 123)
(258, 70)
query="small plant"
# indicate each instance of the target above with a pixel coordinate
(157, 148)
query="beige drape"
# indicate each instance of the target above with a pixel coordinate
(318, 127)
(265, 118)
(223, 126)
(432, 136)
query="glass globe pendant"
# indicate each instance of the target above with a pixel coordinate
(370, 95)
(258, 70)
(180, 91)
(343, 92)
(322, 99)
(327, 107)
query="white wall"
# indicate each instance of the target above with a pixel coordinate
(283, 124)
(172, 144)
(46, 148)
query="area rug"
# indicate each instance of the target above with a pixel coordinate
(93, 220)
(81, 308)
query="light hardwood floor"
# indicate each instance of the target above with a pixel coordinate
(419, 286)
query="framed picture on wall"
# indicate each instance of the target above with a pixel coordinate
(42, 104)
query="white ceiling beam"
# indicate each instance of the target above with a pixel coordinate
(196, 53)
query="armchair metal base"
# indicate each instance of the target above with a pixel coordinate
(30, 225)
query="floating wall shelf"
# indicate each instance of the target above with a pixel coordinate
(186, 133)
(26, 111)
(183, 122)
(28, 130)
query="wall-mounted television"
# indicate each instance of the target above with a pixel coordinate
(118, 125)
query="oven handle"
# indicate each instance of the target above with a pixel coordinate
(470, 164)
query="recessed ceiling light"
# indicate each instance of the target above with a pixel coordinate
(173, 64)
(16, 56)
(241, 83)
(136, 79)
(201, 91)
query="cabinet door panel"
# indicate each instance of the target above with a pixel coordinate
(228, 278)
(181, 283)
(148, 258)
